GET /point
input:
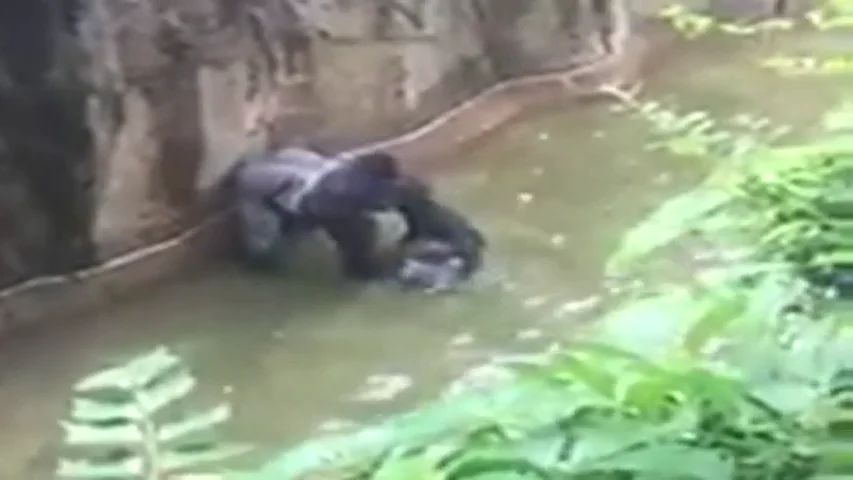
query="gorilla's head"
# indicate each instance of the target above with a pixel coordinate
(432, 266)
(380, 164)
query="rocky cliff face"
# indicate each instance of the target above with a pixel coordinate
(117, 115)
(46, 151)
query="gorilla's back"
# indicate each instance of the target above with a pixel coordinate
(265, 174)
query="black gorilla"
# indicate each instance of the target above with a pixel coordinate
(284, 194)
(442, 248)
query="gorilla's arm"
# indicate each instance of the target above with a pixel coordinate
(429, 219)
(344, 205)
(259, 234)
(354, 237)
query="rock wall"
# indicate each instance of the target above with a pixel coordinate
(45, 143)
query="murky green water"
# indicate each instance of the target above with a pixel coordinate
(296, 354)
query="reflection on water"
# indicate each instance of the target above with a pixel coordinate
(307, 353)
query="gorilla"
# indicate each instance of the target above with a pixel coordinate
(285, 194)
(441, 248)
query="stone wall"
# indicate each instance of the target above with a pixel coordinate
(45, 144)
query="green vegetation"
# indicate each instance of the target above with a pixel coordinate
(742, 372)
(130, 422)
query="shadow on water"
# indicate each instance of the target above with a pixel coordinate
(553, 195)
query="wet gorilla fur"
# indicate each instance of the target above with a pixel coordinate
(276, 204)
(441, 248)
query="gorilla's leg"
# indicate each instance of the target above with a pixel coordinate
(355, 238)
(260, 233)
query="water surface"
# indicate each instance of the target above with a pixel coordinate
(294, 354)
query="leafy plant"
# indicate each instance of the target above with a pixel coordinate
(789, 202)
(129, 422)
(789, 205)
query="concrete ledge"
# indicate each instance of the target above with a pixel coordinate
(85, 291)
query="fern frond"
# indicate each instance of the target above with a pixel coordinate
(129, 422)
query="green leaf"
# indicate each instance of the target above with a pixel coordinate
(584, 372)
(652, 326)
(476, 465)
(502, 475)
(646, 394)
(591, 445)
(181, 460)
(786, 232)
(543, 448)
(713, 315)
(113, 410)
(164, 392)
(97, 411)
(193, 424)
(841, 257)
(105, 470)
(408, 468)
(136, 372)
(672, 221)
(665, 461)
(78, 434)
(808, 154)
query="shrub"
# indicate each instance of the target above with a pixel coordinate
(785, 206)
(129, 422)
